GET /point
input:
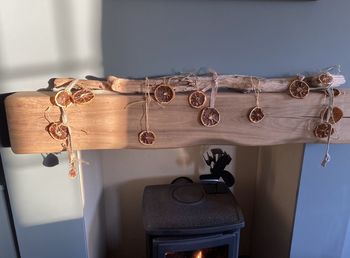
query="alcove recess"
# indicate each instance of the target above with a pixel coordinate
(110, 121)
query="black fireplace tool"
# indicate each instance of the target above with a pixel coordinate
(217, 161)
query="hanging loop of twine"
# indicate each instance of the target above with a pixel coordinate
(214, 88)
(256, 89)
(329, 116)
(148, 99)
(71, 85)
(334, 68)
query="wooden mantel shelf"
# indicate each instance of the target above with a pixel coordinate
(108, 123)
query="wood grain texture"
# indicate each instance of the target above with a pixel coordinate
(233, 82)
(108, 122)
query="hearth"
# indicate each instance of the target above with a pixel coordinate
(191, 220)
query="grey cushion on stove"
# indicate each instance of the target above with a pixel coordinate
(190, 209)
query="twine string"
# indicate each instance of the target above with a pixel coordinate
(147, 102)
(47, 114)
(334, 68)
(190, 81)
(71, 85)
(214, 89)
(256, 89)
(329, 115)
(72, 157)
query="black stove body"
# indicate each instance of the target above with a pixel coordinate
(191, 221)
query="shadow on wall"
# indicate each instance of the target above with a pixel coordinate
(57, 241)
(4, 133)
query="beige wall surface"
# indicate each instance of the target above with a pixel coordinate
(127, 172)
(276, 194)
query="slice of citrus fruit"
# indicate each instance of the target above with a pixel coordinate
(197, 99)
(147, 137)
(72, 174)
(335, 117)
(323, 130)
(325, 79)
(210, 117)
(256, 115)
(82, 96)
(299, 89)
(58, 131)
(164, 94)
(63, 98)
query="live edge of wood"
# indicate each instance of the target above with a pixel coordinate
(108, 122)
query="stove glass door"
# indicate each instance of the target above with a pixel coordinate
(212, 252)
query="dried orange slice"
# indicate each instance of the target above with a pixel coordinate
(336, 92)
(197, 99)
(210, 117)
(58, 131)
(299, 89)
(82, 96)
(147, 137)
(337, 115)
(325, 79)
(63, 98)
(164, 94)
(323, 130)
(256, 115)
(72, 174)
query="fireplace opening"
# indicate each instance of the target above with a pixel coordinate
(191, 220)
(219, 251)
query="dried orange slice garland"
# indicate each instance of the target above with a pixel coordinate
(60, 130)
(210, 116)
(256, 114)
(329, 116)
(164, 93)
(147, 137)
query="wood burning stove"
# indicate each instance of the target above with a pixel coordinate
(194, 220)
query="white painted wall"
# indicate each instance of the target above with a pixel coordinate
(41, 40)
(93, 204)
